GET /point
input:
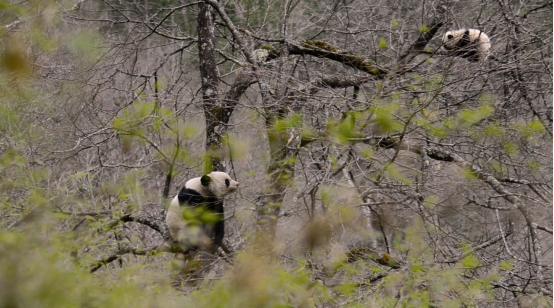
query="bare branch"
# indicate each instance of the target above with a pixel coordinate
(127, 250)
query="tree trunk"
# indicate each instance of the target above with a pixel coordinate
(210, 82)
(283, 148)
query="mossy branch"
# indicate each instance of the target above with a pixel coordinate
(323, 49)
(154, 224)
(356, 254)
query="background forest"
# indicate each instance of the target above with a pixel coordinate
(376, 169)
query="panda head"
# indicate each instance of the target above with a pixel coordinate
(451, 39)
(217, 184)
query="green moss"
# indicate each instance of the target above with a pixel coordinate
(320, 44)
(326, 46)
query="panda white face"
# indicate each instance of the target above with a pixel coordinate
(451, 39)
(220, 183)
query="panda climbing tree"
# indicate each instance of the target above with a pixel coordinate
(472, 44)
(196, 215)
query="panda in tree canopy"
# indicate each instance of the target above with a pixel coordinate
(195, 216)
(472, 44)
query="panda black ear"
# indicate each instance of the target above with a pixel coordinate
(205, 180)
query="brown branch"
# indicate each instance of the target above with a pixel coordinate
(152, 223)
(236, 35)
(101, 213)
(422, 41)
(545, 229)
(244, 79)
(486, 244)
(261, 38)
(548, 4)
(171, 247)
(323, 49)
(337, 82)
(525, 182)
(127, 250)
(435, 22)
(513, 181)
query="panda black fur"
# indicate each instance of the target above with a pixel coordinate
(472, 44)
(206, 192)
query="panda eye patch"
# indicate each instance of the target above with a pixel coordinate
(450, 36)
(227, 182)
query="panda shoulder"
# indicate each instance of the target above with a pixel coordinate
(195, 185)
(458, 33)
(192, 193)
(475, 34)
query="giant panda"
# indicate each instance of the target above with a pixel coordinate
(195, 215)
(472, 44)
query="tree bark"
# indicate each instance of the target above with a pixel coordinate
(210, 82)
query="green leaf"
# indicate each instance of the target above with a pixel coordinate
(209, 217)
(505, 265)
(367, 151)
(333, 160)
(383, 43)
(510, 148)
(469, 174)
(417, 268)
(79, 175)
(124, 196)
(326, 196)
(347, 288)
(346, 129)
(424, 29)
(532, 128)
(493, 130)
(536, 126)
(533, 164)
(12, 157)
(470, 261)
(472, 116)
(385, 118)
(397, 175)
(146, 109)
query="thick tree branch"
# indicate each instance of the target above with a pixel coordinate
(335, 82)
(322, 49)
(127, 250)
(231, 26)
(152, 223)
(422, 41)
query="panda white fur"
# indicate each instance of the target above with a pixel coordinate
(198, 195)
(472, 44)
